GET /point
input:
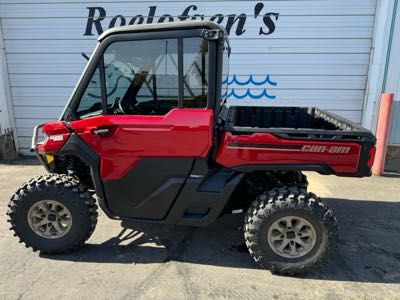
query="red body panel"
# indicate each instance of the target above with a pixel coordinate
(266, 148)
(180, 133)
(187, 133)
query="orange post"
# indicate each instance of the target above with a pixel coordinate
(382, 132)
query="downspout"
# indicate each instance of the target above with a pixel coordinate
(379, 61)
(6, 103)
(389, 48)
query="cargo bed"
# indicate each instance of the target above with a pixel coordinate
(294, 122)
(293, 139)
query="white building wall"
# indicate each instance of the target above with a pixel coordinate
(315, 52)
(6, 116)
(393, 80)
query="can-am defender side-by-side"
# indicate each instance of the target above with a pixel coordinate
(146, 134)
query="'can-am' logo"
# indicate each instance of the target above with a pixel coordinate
(326, 149)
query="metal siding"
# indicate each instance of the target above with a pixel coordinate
(318, 54)
(393, 82)
(394, 137)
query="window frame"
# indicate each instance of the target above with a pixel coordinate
(97, 60)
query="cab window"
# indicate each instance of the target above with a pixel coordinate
(143, 77)
(90, 104)
(195, 72)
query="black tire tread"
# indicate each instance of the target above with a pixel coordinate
(46, 182)
(279, 199)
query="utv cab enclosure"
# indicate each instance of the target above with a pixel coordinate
(146, 135)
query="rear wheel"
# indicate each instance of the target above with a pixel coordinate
(289, 230)
(53, 213)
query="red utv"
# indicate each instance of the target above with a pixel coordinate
(147, 135)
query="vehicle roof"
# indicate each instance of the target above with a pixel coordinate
(160, 27)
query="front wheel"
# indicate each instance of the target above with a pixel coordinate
(289, 230)
(52, 213)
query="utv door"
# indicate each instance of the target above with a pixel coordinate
(144, 112)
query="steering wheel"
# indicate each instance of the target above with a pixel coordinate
(120, 106)
(119, 70)
(129, 108)
(128, 103)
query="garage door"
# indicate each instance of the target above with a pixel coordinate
(302, 53)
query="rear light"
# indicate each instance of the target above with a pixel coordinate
(371, 158)
(56, 134)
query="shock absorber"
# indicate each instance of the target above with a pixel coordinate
(71, 167)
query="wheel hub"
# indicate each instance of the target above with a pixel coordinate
(49, 219)
(291, 237)
(52, 217)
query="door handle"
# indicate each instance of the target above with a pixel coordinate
(101, 131)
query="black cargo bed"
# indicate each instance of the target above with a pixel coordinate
(293, 122)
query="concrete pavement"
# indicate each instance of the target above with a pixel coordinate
(152, 261)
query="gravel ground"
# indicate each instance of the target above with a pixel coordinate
(152, 261)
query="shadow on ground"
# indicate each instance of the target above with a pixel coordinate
(368, 251)
(26, 160)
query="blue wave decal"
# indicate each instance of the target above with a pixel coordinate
(248, 94)
(250, 80)
(274, 83)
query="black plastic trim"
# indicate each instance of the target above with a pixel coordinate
(211, 75)
(363, 169)
(75, 146)
(103, 91)
(206, 190)
(180, 73)
(149, 189)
